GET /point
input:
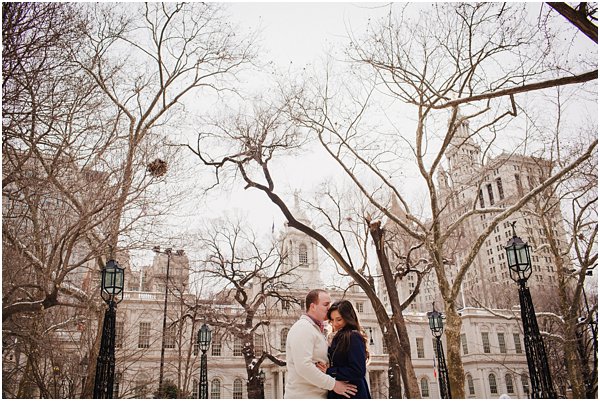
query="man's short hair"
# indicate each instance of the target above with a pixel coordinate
(313, 297)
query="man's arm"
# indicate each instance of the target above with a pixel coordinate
(301, 347)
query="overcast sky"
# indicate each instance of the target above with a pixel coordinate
(293, 36)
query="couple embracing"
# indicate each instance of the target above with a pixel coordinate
(316, 369)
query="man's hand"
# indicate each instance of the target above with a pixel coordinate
(344, 388)
(322, 366)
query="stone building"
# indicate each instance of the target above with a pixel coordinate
(494, 357)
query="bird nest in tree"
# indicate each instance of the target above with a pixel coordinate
(157, 168)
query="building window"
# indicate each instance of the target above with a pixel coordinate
(259, 344)
(500, 188)
(490, 192)
(119, 334)
(502, 343)
(510, 389)
(195, 388)
(525, 383)
(519, 185)
(493, 386)
(118, 378)
(420, 348)
(237, 389)
(360, 307)
(517, 339)
(481, 201)
(170, 335)
(424, 387)
(196, 348)
(485, 339)
(285, 304)
(434, 345)
(237, 346)
(470, 385)
(302, 254)
(216, 347)
(284, 333)
(144, 335)
(465, 346)
(215, 389)
(384, 345)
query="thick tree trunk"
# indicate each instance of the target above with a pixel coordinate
(395, 376)
(254, 389)
(456, 372)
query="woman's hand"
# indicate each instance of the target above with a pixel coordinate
(322, 366)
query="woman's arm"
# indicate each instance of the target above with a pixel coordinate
(356, 368)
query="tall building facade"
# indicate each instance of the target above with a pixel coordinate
(470, 184)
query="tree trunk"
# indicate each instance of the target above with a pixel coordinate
(398, 330)
(573, 361)
(456, 372)
(394, 370)
(254, 388)
(408, 372)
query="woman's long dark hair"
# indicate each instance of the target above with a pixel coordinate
(347, 312)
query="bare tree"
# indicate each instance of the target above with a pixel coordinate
(573, 261)
(253, 279)
(468, 55)
(75, 114)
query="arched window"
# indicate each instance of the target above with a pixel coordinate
(510, 389)
(302, 254)
(493, 385)
(424, 387)
(237, 389)
(284, 333)
(470, 385)
(525, 383)
(215, 389)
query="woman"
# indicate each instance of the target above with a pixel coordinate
(348, 352)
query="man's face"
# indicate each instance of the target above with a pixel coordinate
(320, 308)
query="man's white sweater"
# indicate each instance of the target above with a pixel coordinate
(305, 346)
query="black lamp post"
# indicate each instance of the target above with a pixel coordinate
(167, 252)
(113, 279)
(436, 324)
(261, 380)
(519, 263)
(204, 338)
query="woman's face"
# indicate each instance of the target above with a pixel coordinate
(337, 321)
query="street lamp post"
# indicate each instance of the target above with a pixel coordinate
(261, 380)
(519, 263)
(167, 252)
(204, 337)
(113, 279)
(436, 324)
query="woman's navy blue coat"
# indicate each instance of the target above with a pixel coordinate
(350, 366)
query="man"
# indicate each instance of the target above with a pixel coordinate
(305, 346)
